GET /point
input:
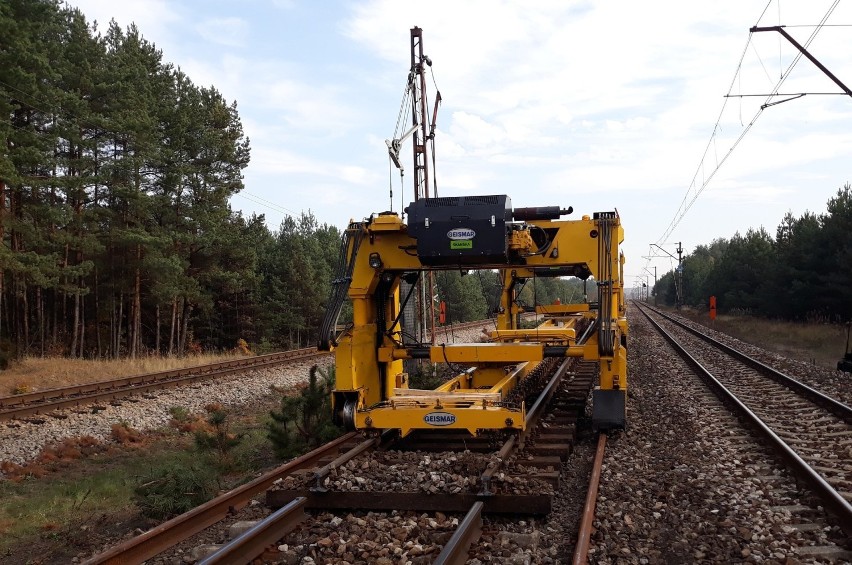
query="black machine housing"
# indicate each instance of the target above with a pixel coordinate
(460, 230)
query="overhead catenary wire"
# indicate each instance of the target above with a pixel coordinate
(695, 189)
(705, 181)
(266, 203)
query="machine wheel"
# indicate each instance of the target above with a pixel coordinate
(347, 414)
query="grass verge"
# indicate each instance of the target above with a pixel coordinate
(36, 373)
(818, 344)
(78, 506)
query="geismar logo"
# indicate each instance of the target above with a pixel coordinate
(439, 418)
(461, 233)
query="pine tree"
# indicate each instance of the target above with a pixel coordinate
(304, 420)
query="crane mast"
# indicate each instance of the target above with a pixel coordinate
(421, 134)
(417, 81)
(388, 263)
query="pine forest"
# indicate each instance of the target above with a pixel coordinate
(118, 239)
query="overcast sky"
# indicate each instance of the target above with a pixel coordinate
(595, 105)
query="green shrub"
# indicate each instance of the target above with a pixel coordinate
(304, 421)
(220, 440)
(179, 414)
(174, 488)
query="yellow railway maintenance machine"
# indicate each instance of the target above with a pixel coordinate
(472, 232)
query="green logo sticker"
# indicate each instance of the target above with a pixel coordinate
(461, 244)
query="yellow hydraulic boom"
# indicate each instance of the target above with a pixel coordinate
(483, 232)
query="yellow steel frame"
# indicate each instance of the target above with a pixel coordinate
(369, 362)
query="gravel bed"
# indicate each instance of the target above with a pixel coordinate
(446, 472)
(22, 441)
(685, 483)
(372, 537)
(833, 383)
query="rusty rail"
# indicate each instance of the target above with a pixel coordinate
(149, 378)
(469, 530)
(834, 406)
(79, 395)
(45, 401)
(177, 529)
(831, 498)
(581, 550)
(532, 418)
(251, 543)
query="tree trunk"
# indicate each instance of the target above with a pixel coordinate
(173, 325)
(23, 338)
(54, 331)
(2, 242)
(98, 345)
(157, 337)
(136, 342)
(82, 325)
(120, 318)
(40, 314)
(75, 325)
(187, 310)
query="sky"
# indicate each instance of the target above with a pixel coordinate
(596, 105)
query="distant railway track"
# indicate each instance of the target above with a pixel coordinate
(46, 401)
(548, 440)
(808, 430)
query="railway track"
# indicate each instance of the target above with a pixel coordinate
(809, 431)
(43, 402)
(337, 487)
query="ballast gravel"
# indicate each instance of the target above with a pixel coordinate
(686, 483)
(22, 441)
(831, 382)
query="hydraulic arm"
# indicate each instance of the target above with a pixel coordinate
(483, 232)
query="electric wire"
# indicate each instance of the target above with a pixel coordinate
(267, 203)
(760, 60)
(687, 203)
(737, 76)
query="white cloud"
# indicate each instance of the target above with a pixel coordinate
(154, 18)
(747, 193)
(594, 104)
(230, 32)
(281, 161)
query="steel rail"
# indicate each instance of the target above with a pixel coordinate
(246, 548)
(537, 409)
(147, 378)
(530, 422)
(830, 497)
(168, 534)
(832, 405)
(176, 530)
(251, 543)
(326, 470)
(581, 550)
(455, 552)
(117, 393)
(41, 402)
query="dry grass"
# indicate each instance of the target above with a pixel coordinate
(819, 344)
(54, 372)
(78, 496)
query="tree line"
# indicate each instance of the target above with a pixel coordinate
(116, 234)
(114, 181)
(803, 272)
